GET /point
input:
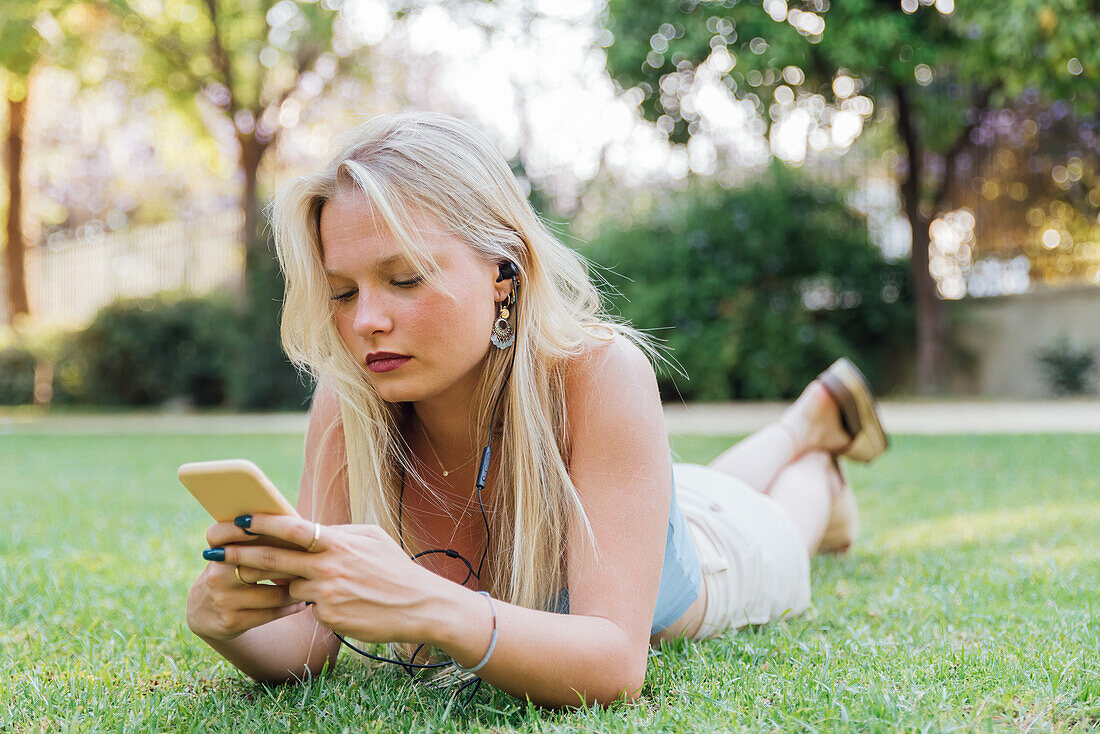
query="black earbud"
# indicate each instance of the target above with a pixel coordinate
(507, 270)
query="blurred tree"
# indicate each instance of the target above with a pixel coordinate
(258, 62)
(1032, 181)
(27, 30)
(761, 301)
(943, 68)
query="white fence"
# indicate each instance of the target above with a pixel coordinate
(69, 280)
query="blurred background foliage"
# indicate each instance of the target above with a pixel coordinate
(770, 184)
(941, 69)
(1068, 368)
(151, 350)
(172, 348)
(759, 288)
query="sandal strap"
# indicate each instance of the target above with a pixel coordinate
(849, 412)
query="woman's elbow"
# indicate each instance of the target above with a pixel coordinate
(621, 694)
(286, 677)
(627, 689)
(310, 669)
(632, 691)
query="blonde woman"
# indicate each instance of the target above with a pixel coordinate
(487, 469)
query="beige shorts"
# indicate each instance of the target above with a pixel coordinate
(754, 562)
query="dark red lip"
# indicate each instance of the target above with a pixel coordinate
(386, 365)
(373, 356)
(385, 361)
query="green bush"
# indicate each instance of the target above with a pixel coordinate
(1067, 368)
(16, 376)
(150, 350)
(757, 289)
(206, 351)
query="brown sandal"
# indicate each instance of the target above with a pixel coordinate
(858, 410)
(843, 525)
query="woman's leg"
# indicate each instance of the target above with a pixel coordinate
(791, 461)
(805, 489)
(811, 423)
(758, 459)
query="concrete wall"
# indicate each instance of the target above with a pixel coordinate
(1003, 334)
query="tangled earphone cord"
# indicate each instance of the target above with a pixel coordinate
(475, 681)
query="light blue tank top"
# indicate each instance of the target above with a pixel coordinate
(681, 576)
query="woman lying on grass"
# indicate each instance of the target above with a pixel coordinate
(440, 316)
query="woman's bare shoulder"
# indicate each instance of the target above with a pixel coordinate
(609, 359)
(610, 386)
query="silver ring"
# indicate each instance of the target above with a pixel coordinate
(316, 537)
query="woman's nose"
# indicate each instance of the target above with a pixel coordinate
(371, 316)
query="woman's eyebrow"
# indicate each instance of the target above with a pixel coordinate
(383, 262)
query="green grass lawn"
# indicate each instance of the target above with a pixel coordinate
(970, 602)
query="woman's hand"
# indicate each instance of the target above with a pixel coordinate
(220, 606)
(359, 579)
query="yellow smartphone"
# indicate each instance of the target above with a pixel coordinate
(231, 487)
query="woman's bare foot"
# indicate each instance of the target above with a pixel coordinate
(813, 422)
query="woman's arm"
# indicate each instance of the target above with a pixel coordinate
(364, 585)
(621, 467)
(289, 649)
(296, 646)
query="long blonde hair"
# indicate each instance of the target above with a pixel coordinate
(442, 165)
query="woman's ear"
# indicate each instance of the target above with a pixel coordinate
(507, 270)
(503, 290)
(506, 280)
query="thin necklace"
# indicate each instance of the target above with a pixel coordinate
(445, 471)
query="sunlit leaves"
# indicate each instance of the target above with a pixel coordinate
(28, 29)
(252, 51)
(1026, 42)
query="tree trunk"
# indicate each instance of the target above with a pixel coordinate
(15, 250)
(252, 152)
(930, 312)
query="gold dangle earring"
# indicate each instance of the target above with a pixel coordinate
(503, 335)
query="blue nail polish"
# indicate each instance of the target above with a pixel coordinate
(244, 522)
(214, 554)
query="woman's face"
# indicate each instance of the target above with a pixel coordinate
(382, 305)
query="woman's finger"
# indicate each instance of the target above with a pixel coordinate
(302, 590)
(255, 575)
(367, 531)
(304, 533)
(250, 618)
(265, 558)
(264, 597)
(230, 576)
(221, 533)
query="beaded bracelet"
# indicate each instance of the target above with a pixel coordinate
(492, 642)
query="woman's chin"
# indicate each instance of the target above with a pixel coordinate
(400, 391)
(413, 388)
(395, 394)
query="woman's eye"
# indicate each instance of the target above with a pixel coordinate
(348, 295)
